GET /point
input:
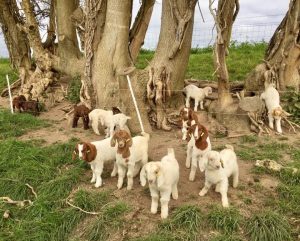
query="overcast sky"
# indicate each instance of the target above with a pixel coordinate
(256, 21)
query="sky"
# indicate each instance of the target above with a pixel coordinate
(256, 21)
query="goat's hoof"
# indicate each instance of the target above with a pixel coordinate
(164, 216)
(154, 211)
(98, 185)
(225, 205)
(201, 194)
(129, 188)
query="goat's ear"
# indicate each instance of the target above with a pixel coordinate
(203, 163)
(143, 176)
(75, 152)
(128, 139)
(222, 163)
(113, 141)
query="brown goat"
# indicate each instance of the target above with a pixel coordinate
(31, 106)
(18, 102)
(81, 111)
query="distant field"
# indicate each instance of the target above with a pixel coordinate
(241, 60)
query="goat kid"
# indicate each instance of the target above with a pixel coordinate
(272, 100)
(198, 145)
(198, 94)
(163, 178)
(18, 102)
(188, 118)
(132, 154)
(219, 166)
(83, 112)
(107, 119)
(96, 154)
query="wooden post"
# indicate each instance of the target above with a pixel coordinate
(9, 92)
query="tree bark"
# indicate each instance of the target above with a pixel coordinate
(70, 58)
(282, 57)
(138, 31)
(224, 18)
(167, 69)
(16, 40)
(104, 84)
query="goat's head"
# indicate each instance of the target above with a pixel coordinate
(207, 90)
(86, 151)
(153, 173)
(123, 140)
(200, 134)
(213, 160)
(277, 112)
(186, 114)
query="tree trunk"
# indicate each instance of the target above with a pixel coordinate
(167, 69)
(70, 58)
(282, 58)
(138, 31)
(107, 56)
(224, 18)
(16, 40)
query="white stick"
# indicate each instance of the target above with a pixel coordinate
(9, 92)
(135, 104)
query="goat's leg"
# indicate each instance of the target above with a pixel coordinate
(98, 172)
(278, 125)
(201, 105)
(188, 155)
(130, 176)
(235, 178)
(187, 101)
(196, 105)
(115, 170)
(111, 130)
(223, 191)
(154, 200)
(205, 189)
(164, 202)
(75, 121)
(193, 168)
(175, 191)
(217, 189)
(271, 120)
(95, 125)
(93, 180)
(121, 175)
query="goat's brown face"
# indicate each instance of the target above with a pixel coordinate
(186, 113)
(122, 138)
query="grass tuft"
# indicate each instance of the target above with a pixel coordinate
(224, 219)
(74, 90)
(226, 237)
(269, 226)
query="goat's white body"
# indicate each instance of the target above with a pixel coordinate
(272, 100)
(198, 94)
(196, 157)
(105, 153)
(138, 157)
(165, 184)
(107, 119)
(219, 176)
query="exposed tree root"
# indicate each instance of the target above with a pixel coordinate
(18, 203)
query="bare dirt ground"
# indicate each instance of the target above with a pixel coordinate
(140, 220)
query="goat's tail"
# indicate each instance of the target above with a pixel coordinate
(171, 152)
(145, 135)
(229, 147)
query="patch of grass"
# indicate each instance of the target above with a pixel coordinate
(269, 226)
(4, 70)
(289, 197)
(110, 219)
(241, 60)
(74, 90)
(161, 236)
(226, 220)
(186, 217)
(249, 139)
(226, 237)
(53, 174)
(13, 125)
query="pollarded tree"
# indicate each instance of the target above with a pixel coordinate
(224, 18)
(282, 58)
(108, 59)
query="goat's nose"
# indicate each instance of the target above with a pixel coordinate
(218, 166)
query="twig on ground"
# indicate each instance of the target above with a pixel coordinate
(18, 203)
(32, 190)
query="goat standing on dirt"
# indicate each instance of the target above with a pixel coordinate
(219, 166)
(272, 100)
(81, 111)
(188, 118)
(96, 154)
(131, 155)
(163, 178)
(198, 94)
(198, 146)
(18, 102)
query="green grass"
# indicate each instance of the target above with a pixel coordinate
(226, 237)
(268, 225)
(13, 125)
(289, 196)
(224, 219)
(74, 90)
(4, 70)
(241, 60)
